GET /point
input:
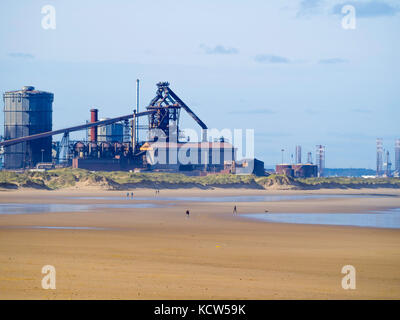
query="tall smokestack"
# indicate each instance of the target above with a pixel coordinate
(298, 154)
(93, 130)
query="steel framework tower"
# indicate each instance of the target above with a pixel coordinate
(388, 165)
(165, 110)
(320, 160)
(379, 157)
(397, 156)
(309, 158)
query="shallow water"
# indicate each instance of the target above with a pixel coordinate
(259, 198)
(52, 228)
(381, 219)
(31, 208)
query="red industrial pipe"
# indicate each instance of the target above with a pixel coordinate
(93, 130)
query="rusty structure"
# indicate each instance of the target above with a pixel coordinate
(297, 170)
(285, 169)
(94, 117)
(128, 153)
(165, 110)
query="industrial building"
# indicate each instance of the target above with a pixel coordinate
(189, 156)
(113, 143)
(110, 133)
(27, 112)
(320, 159)
(250, 166)
(383, 162)
(297, 170)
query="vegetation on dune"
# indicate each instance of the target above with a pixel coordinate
(351, 182)
(276, 179)
(67, 178)
(154, 178)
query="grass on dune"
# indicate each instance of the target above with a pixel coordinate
(68, 177)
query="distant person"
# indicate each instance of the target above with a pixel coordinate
(127, 194)
(187, 213)
(131, 194)
(234, 210)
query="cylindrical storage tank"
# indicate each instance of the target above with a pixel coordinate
(299, 171)
(106, 149)
(305, 170)
(27, 112)
(79, 149)
(92, 149)
(288, 172)
(311, 170)
(118, 148)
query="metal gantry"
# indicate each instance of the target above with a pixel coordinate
(379, 157)
(320, 159)
(165, 107)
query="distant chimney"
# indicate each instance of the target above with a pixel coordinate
(93, 130)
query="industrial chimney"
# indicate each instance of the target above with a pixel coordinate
(93, 130)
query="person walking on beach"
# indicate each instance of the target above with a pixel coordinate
(187, 213)
(131, 194)
(234, 210)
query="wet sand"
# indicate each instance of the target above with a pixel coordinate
(158, 253)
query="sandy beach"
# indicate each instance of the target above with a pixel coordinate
(159, 253)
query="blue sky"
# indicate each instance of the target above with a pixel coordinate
(285, 68)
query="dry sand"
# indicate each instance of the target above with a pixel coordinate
(157, 253)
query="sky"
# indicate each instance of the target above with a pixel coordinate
(287, 69)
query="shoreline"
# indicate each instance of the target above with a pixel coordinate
(158, 253)
(233, 190)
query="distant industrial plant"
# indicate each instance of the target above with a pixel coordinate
(113, 144)
(297, 169)
(383, 162)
